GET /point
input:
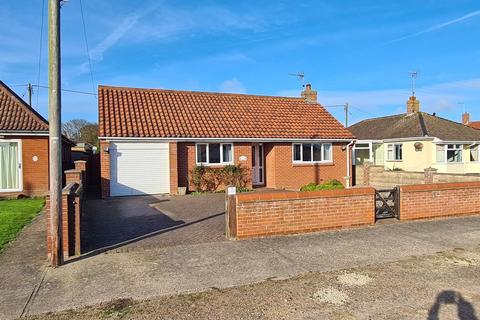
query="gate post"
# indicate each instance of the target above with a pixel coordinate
(231, 212)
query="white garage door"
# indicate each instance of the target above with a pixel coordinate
(139, 168)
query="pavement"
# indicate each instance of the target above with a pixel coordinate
(161, 271)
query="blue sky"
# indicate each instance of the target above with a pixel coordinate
(351, 51)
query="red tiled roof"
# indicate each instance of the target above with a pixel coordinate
(16, 115)
(474, 124)
(156, 113)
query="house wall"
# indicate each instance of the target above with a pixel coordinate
(413, 160)
(36, 173)
(282, 173)
(187, 162)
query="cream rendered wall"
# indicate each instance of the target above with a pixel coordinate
(466, 166)
(378, 154)
(413, 160)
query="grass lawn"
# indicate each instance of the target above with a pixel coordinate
(14, 215)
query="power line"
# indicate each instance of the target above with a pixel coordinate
(86, 46)
(46, 87)
(40, 51)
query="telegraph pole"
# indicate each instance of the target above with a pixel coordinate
(346, 114)
(55, 138)
(30, 91)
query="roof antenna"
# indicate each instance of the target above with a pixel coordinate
(414, 75)
(300, 76)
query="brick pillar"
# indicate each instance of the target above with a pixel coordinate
(105, 168)
(366, 173)
(81, 165)
(173, 154)
(73, 176)
(429, 175)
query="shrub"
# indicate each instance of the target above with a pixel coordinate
(329, 185)
(208, 179)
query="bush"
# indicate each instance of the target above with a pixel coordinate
(208, 179)
(329, 185)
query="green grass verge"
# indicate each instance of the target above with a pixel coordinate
(14, 215)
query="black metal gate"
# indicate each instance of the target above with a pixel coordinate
(387, 203)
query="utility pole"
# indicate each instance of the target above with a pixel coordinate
(30, 91)
(55, 137)
(346, 114)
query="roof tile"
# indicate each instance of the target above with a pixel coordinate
(157, 113)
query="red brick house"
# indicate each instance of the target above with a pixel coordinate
(24, 147)
(150, 139)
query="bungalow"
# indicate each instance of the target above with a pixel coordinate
(415, 140)
(24, 147)
(151, 139)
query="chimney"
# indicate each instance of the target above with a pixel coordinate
(413, 105)
(309, 94)
(466, 118)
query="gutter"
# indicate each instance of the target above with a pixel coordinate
(222, 139)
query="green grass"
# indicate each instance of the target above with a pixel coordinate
(329, 185)
(14, 215)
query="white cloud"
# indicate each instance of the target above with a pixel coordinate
(232, 86)
(439, 26)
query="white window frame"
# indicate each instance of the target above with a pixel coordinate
(446, 149)
(311, 152)
(393, 145)
(20, 163)
(222, 163)
(478, 153)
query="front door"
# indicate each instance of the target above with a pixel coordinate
(257, 164)
(10, 166)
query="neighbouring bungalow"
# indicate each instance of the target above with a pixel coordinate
(151, 139)
(24, 147)
(415, 140)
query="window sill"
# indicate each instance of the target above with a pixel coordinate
(223, 164)
(312, 164)
(394, 160)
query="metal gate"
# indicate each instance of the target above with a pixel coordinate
(387, 203)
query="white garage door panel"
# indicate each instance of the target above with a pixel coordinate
(139, 168)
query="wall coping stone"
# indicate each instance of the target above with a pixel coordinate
(439, 186)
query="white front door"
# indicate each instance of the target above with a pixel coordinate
(257, 164)
(139, 168)
(10, 165)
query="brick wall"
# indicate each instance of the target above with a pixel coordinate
(35, 173)
(105, 168)
(283, 174)
(173, 155)
(439, 200)
(267, 214)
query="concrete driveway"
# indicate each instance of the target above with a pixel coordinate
(130, 223)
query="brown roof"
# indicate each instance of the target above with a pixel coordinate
(156, 113)
(474, 124)
(16, 115)
(419, 124)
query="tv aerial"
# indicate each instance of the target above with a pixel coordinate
(300, 76)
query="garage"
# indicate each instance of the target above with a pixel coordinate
(139, 168)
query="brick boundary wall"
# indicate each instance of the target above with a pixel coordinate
(426, 201)
(282, 213)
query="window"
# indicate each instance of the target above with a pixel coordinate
(214, 153)
(454, 153)
(9, 166)
(394, 152)
(474, 153)
(312, 152)
(449, 153)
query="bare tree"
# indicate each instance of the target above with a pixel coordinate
(89, 134)
(72, 128)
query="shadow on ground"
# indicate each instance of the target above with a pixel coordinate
(465, 310)
(151, 222)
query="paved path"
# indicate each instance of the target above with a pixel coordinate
(143, 274)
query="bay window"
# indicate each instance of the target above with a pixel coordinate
(449, 153)
(474, 153)
(312, 152)
(214, 153)
(394, 152)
